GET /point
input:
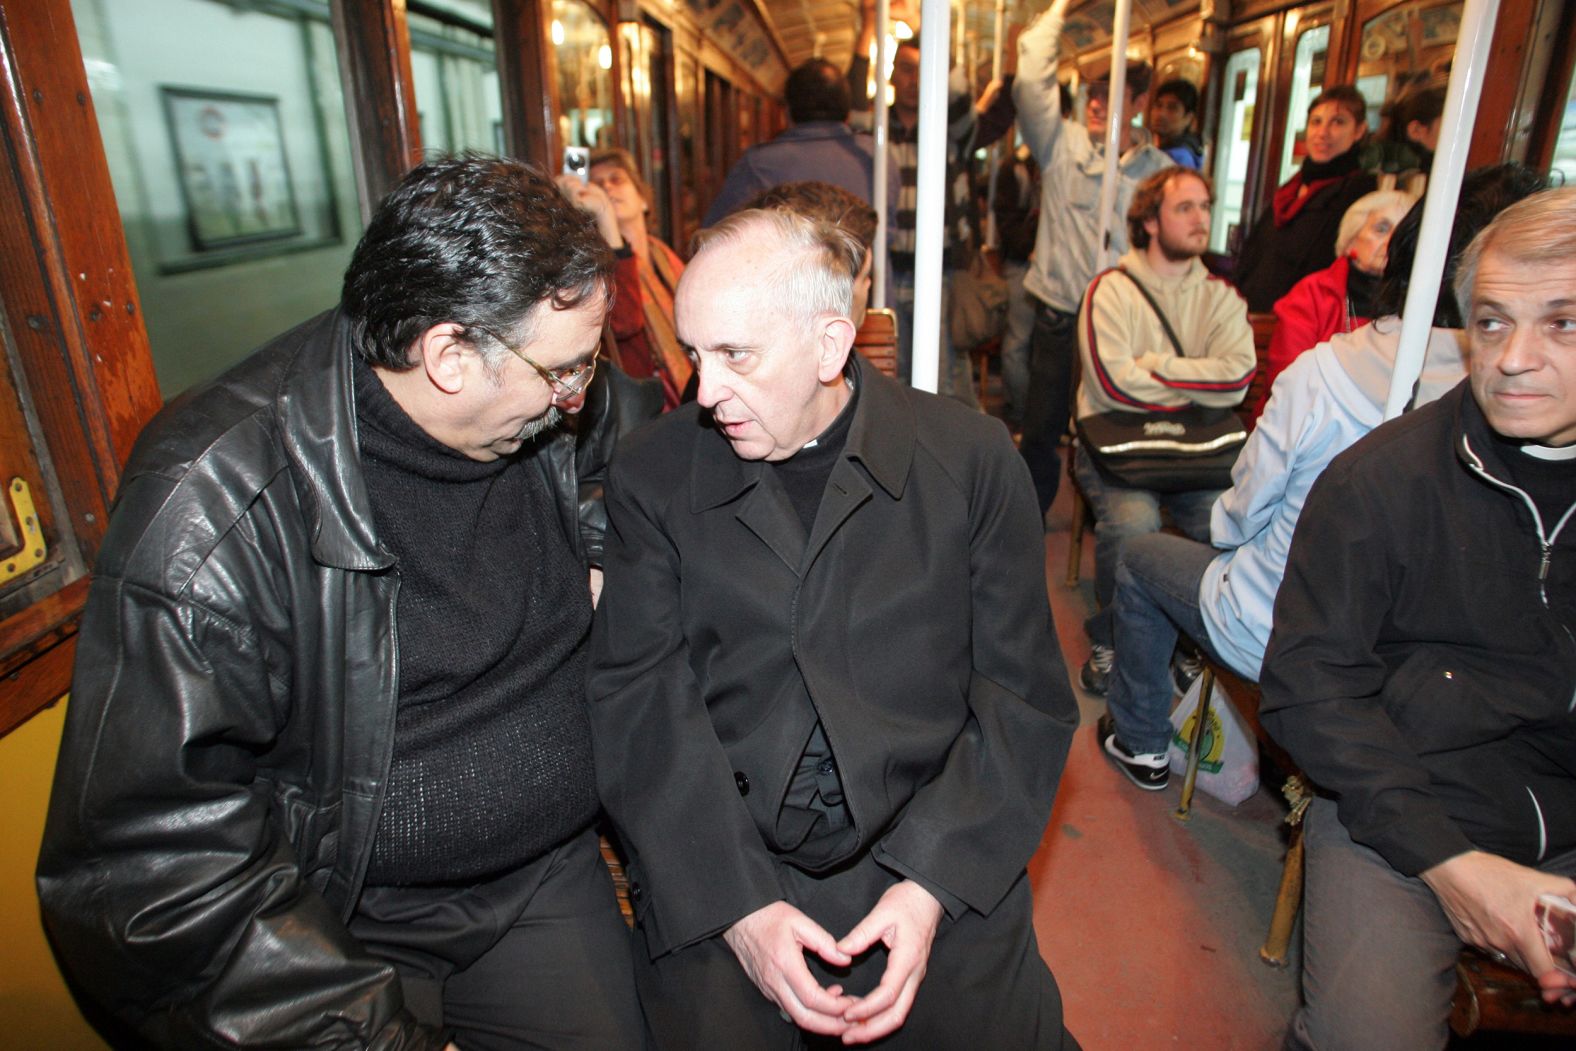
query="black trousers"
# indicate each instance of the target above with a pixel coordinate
(986, 985)
(538, 958)
(1053, 362)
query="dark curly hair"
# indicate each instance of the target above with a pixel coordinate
(474, 240)
(1485, 192)
(817, 90)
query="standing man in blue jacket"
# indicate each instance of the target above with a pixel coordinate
(1423, 664)
(819, 147)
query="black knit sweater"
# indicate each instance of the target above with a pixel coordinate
(492, 747)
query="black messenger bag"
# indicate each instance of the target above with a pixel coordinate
(1166, 452)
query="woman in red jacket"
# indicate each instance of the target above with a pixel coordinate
(1340, 297)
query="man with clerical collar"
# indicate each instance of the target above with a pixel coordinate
(827, 701)
(1422, 665)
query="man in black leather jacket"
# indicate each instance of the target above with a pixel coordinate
(326, 778)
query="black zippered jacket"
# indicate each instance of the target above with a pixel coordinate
(231, 721)
(1422, 666)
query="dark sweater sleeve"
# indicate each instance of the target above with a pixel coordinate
(1323, 676)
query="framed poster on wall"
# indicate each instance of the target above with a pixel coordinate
(231, 166)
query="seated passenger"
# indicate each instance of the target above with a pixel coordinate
(1131, 365)
(1296, 235)
(645, 274)
(1339, 298)
(1410, 136)
(1422, 665)
(1325, 401)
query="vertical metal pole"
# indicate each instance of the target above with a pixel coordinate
(993, 235)
(882, 132)
(1444, 187)
(1116, 114)
(930, 219)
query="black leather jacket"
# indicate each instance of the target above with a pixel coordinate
(231, 718)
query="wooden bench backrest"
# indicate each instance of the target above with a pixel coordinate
(877, 339)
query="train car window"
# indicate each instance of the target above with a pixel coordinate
(646, 83)
(225, 131)
(1405, 48)
(455, 69)
(693, 190)
(1307, 78)
(1564, 160)
(583, 52)
(1233, 142)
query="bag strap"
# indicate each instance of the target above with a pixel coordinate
(1176, 344)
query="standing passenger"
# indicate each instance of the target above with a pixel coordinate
(820, 146)
(1066, 258)
(326, 776)
(1296, 234)
(1171, 118)
(829, 709)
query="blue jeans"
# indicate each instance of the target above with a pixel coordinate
(1157, 582)
(1053, 359)
(1015, 343)
(1122, 513)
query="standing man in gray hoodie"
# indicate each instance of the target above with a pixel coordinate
(1066, 257)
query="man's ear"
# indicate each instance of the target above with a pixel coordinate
(834, 340)
(1152, 227)
(444, 357)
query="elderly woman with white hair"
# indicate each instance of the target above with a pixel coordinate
(1339, 298)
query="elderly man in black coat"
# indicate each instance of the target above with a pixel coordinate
(827, 702)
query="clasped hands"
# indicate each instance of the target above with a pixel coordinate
(770, 944)
(1490, 902)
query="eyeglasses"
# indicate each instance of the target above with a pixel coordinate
(568, 381)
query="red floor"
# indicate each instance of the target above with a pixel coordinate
(1152, 926)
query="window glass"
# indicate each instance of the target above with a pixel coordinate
(687, 88)
(231, 166)
(1564, 160)
(1233, 140)
(1409, 45)
(1307, 78)
(584, 54)
(455, 69)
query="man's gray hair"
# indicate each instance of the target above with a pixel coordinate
(1537, 229)
(814, 268)
(1366, 205)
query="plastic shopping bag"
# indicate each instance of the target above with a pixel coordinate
(1229, 766)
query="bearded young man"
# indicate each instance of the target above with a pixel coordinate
(1131, 365)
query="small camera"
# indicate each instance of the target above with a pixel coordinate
(577, 162)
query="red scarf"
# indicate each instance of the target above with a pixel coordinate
(1289, 201)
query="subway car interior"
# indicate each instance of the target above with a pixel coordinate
(145, 255)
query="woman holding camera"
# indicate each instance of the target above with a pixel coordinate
(645, 275)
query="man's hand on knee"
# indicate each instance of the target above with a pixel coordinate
(905, 921)
(770, 944)
(1490, 901)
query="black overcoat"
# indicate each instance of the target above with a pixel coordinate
(913, 622)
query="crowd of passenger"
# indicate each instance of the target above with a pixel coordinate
(549, 542)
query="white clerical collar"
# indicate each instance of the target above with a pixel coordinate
(1551, 452)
